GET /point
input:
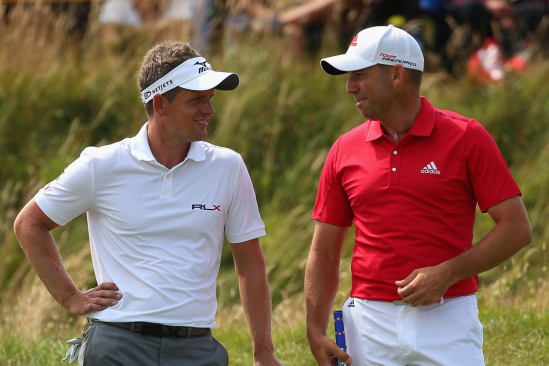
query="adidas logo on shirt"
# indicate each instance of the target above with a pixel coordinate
(431, 168)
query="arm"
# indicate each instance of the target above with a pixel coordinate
(511, 233)
(32, 228)
(256, 298)
(321, 282)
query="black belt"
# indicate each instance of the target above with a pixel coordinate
(159, 330)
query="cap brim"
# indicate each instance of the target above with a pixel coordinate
(213, 80)
(341, 64)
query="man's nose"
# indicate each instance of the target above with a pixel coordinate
(351, 87)
(208, 108)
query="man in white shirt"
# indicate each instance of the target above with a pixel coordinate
(157, 205)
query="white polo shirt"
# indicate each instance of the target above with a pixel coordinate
(157, 233)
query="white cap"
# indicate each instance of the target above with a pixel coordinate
(386, 45)
(193, 74)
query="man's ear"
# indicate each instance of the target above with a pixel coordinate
(398, 74)
(160, 104)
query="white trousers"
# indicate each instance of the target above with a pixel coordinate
(384, 334)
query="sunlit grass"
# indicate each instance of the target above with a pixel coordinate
(514, 334)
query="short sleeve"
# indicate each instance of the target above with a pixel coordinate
(332, 205)
(71, 194)
(490, 177)
(243, 220)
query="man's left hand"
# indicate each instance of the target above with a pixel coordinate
(424, 286)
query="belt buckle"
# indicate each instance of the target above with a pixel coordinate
(176, 331)
(151, 329)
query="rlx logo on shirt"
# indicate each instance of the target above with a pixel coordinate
(203, 207)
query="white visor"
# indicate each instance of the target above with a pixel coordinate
(193, 74)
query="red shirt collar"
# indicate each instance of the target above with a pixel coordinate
(423, 126)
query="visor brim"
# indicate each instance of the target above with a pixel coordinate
(341, 64)
(213, 80)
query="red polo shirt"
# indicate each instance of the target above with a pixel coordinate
(413, 203)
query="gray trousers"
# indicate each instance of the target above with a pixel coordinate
(105, 345)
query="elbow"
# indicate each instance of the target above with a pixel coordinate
(526, 234)
(18, 225)
(522, 233)
(23, 225)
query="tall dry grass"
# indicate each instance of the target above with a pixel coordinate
(58, 95)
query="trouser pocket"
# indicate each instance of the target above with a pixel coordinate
(85, 343)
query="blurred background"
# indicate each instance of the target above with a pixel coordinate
(67, 81)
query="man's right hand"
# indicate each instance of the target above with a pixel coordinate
(96, 299)
(324, 349)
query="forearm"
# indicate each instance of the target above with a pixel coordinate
(256, 301)
(322, 276)
(321, 283)
(42, 252)
(505, 239)
(425, 286)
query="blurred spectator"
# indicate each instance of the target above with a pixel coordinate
(224, 20)
(204, 22)
(5, 9)
(76, 14)
(166, 18)
(304, 24)
(502, 29)
(73, 15)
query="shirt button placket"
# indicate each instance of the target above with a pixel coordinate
(166, 186)
(394, 166)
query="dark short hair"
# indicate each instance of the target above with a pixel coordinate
(162, 58)
(414, 75)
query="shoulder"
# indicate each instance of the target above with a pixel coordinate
(346, 144)
(453, 121)
(352, 138)
(357, 133)
(471, 133)
(220, 154)
(106, 153)
(470, 127)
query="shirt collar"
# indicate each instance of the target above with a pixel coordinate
(423, 126)
(141, 150)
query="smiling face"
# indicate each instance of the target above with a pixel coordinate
(187, 115)
(372, 90)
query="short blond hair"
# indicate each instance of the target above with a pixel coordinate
(162, 58)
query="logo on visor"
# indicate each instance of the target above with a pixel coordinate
(353, 42)
(204, 66)
(158, 89)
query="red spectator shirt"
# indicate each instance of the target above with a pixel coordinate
(413, 203)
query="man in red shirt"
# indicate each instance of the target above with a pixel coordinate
(410, 178)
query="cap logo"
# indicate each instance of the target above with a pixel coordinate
(393, 58)
(353, 42)
(203, 66)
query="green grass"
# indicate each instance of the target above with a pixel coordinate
(513, 335)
